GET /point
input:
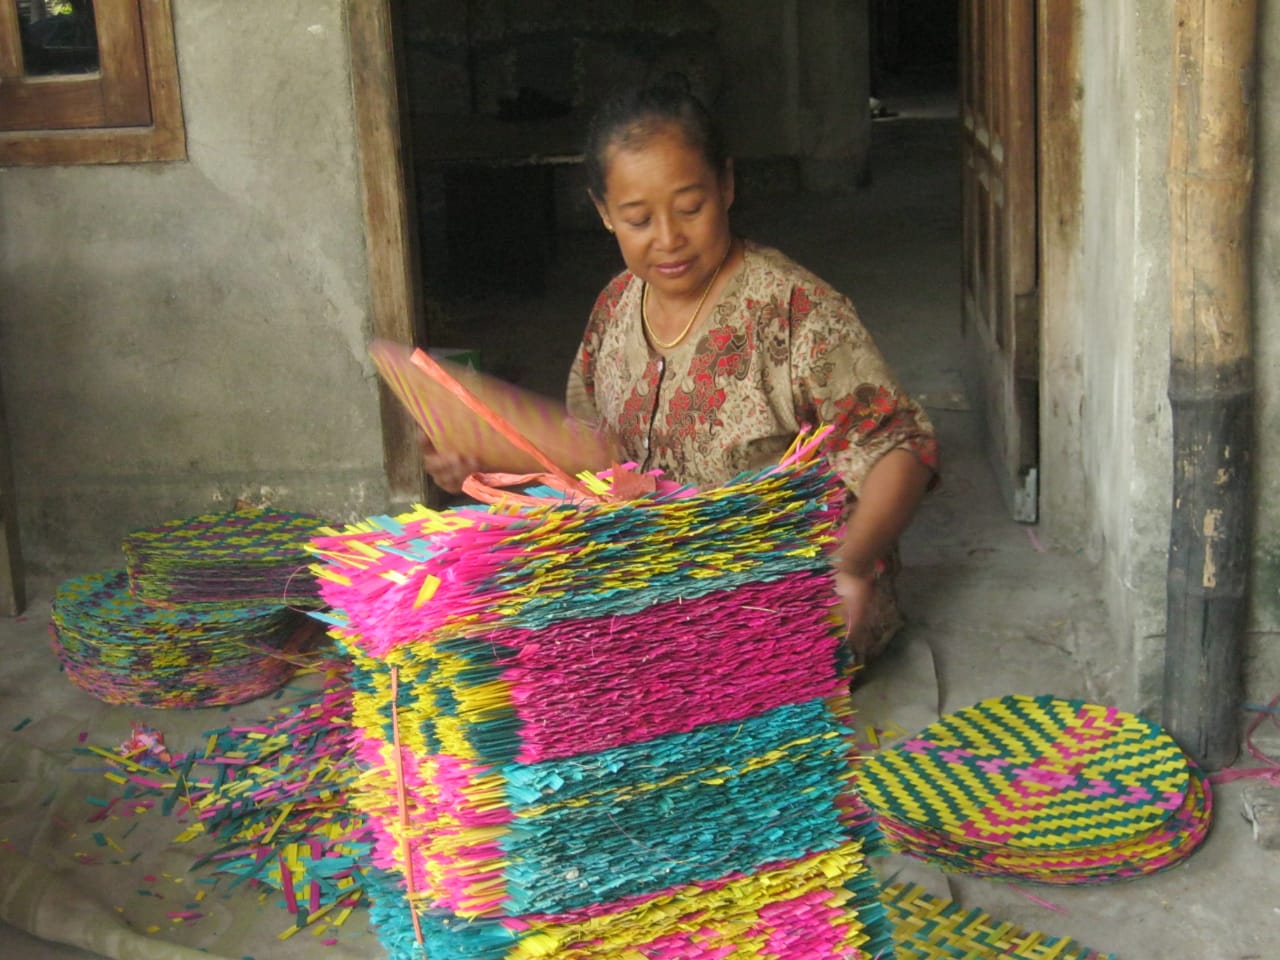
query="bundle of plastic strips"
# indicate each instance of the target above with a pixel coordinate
(271, 796)
(246, 557)
(1040, 789)
(611, 729)
(123, 651)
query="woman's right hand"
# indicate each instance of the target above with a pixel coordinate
(447, 469)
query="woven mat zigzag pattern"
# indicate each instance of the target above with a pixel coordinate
(930, 928)
(246, 535)
(1033, 773)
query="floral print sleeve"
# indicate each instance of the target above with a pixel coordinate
(780, 349)
(839, 375)
(580, 394)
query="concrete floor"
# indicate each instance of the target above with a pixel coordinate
(992, 609)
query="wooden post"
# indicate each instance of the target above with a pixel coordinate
(391, 231)
(13, 597)
(1210, 372)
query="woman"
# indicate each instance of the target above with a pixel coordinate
(709, 352)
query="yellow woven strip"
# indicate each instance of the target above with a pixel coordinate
(723, 915)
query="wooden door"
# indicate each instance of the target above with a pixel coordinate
(1001, 310)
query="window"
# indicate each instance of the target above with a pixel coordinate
(88, 81)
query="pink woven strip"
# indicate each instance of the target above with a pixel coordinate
(1269, 772)
(748, 650)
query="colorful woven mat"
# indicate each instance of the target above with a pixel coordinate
(518, 693)
(1038, 788)
(1141, 855)
(930, 928)
(557, 836)
(392, 581)
(123, 651)
(246, 557)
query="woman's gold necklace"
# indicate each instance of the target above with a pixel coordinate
(644, 309)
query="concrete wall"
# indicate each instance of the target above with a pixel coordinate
(1121, 357)
(1109, 258)
(177, 336)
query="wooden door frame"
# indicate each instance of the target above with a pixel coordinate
(1053, 497)
(392, 247)
(13, 596)
(391, 239)
(1059, 98)
(1000, 289)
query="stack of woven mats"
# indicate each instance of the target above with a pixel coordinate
(1040, 789)
(203, 614)
(609, 729)
(221, 560)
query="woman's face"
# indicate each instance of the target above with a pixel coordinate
(669, 211)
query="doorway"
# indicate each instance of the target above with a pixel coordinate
(525, 313)
(1000, 259)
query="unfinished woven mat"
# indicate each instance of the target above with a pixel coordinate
(557, 836)
(930, 928)
(246, 557)
(1043, 789)
(123, 651)
(597, 730)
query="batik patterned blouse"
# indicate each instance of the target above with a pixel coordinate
(780, 349)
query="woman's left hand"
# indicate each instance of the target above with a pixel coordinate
(855, 593)
(446, 468)
(889, 496)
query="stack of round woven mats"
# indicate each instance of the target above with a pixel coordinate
(205, 614)
(1040, 789)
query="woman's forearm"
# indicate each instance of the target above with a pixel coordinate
(890, 494)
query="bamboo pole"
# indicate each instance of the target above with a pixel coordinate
(1211, 158)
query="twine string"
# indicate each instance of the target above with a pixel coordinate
(1269, 772)
(402, 802)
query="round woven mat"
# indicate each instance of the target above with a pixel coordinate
(1138, 856)
(123, 651)
(241, 556)
(1031, 774)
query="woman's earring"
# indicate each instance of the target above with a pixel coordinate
(609, 227)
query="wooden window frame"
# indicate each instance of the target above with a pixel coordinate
(129, 111)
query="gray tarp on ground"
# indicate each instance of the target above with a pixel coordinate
(108, 906)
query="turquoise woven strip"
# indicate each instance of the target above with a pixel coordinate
(597, 827)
